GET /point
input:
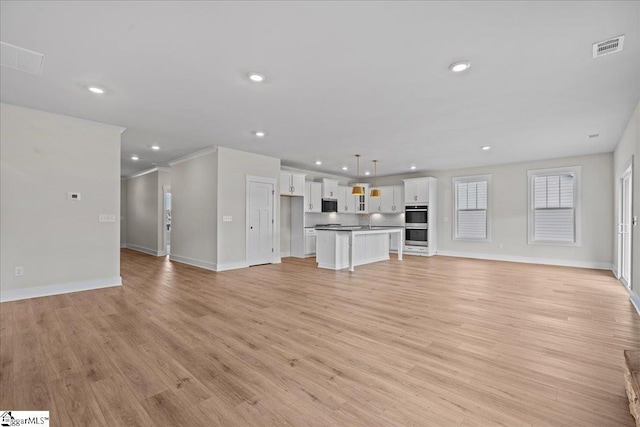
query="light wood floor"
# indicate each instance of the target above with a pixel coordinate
(423, 342)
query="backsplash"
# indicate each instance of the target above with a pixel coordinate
(311, 219)
(377, 219)
(387, 220)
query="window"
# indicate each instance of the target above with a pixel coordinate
(471, 220)
(554, 208)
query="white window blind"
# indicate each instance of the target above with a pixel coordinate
(471, 209)
(553, 213)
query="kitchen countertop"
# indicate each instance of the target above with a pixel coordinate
(360, 229)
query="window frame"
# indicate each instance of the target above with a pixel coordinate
(454, 184)
(577, 201)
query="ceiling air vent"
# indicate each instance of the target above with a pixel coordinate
(21, 59)
(608, 46)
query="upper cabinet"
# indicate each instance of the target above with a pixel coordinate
(313, 196)
(392, 199)
(416, 191)
(291, 183)
(375, 203)
(346, 202)
(329, 188)
(362, 202)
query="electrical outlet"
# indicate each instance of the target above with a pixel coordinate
(74, 196)
(106, 218)
(19, 271)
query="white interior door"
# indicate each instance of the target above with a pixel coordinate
(624, 228)
(260, 248)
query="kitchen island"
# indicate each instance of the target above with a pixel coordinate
(346, 247)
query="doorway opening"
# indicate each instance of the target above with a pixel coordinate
(625, 234)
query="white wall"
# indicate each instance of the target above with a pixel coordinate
(233, 168)
(628, 149)
(142, 212)
(509, 213)
(123, 213)
(194, 203)
(60, 243)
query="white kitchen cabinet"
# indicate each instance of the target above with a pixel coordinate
(291, 183)
(310, 239)
(346, 202)
(362, 202)
(375, 203)
(392, 200)
(416, 191)
(394, 242)
(313, 196)
(329, 188)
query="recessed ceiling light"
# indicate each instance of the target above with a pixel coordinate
(318, 162)
(486, 148)
(259, 133)
(412, 168)
(155, 147)
(96, 89)
(367, 173)
(460, 66)
(344, 168)
(135, 158)
(256, 77)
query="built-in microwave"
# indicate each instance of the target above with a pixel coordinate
(416, 216)
(329, 205)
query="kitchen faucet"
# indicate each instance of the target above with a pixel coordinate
(369, 216)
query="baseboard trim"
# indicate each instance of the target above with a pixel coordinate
(123, 245)
(635, 300)
(194, 262)
(530, 260)
(232, 266)
(614, 270)
(147, 251)
(59, 288)
(285, 254)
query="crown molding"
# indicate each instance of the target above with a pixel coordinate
(192, 156)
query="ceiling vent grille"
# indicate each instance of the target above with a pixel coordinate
(608, 46)
(21, 59)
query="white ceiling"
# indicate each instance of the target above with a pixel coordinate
(342, 77)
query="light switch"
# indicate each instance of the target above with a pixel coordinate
(227, 218)
(106, 218)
